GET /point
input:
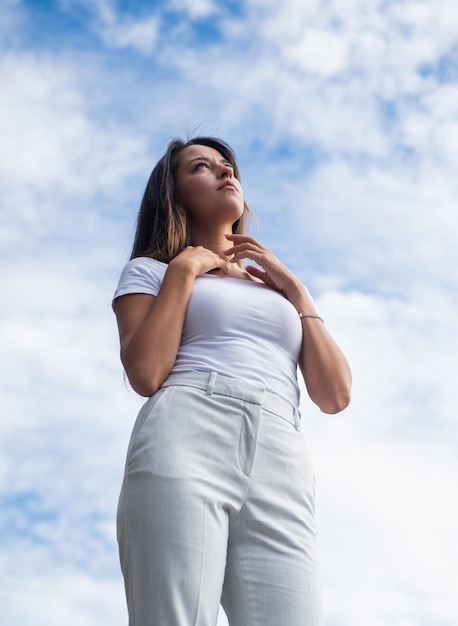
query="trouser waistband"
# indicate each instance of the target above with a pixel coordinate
(213, 383)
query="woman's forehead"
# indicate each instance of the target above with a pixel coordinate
(197, 150)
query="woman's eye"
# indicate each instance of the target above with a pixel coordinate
(200, 165)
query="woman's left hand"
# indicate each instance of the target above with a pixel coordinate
(273, 273)
(325, 369)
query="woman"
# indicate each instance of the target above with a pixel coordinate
(217, 502)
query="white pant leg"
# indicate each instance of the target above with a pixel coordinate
(182, 480)
(272, 575)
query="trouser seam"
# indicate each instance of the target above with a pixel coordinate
(244, 588)
(204, 541)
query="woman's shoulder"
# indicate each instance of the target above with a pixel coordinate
(144, 266)
(141, 275)
(146, 262)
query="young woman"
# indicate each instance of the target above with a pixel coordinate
(217, 502)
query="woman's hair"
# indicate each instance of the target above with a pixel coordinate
(162, 224)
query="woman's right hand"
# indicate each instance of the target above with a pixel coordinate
(197, 260)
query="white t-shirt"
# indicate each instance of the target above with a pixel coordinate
(235, 327)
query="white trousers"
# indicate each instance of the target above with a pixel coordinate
(217, 504)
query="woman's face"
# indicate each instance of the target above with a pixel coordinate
(207, 188)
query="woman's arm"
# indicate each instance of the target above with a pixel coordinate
(150, 327)
(326, 371)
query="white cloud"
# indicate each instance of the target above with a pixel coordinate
(62, 597)
(319, 52)
(48, 136)
(139, 34)
(337, 108)
(120, 30)
(196, 9)
(385, 517)
(104, 10)
(386, 467)
(13, 18)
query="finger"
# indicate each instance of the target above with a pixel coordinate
(245, 247)
(263, 276)
(254, 255)
(255, 271)
(247, 254)
(242, 238)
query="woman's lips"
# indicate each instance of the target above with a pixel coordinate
(228, 186)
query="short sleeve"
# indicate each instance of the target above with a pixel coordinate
(141, 275)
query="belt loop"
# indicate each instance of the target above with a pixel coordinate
(211, 383)
(297, 419)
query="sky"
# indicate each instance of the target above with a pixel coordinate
(344, 117)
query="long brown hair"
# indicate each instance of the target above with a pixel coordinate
(162, 226)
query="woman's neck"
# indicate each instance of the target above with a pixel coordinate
(216, 242)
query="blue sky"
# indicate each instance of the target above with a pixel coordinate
(344, 118)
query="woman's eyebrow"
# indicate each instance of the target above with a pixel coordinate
(199, 158)
(203, 158)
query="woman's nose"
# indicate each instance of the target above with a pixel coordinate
(227, 171)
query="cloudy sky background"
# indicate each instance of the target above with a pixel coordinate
(344, 116)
